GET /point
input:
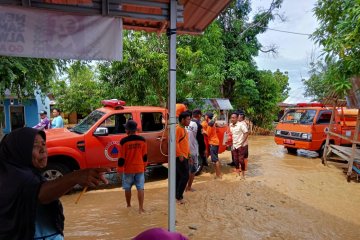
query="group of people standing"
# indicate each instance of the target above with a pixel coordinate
(190, 150)
(45, 122)
(29, 205)
(192, 137)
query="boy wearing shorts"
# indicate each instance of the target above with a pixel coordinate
(133, 157)
(213, 143)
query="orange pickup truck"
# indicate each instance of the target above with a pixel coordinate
(94, 142)
(305, 125)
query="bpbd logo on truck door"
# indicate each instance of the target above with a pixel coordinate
(112, 151)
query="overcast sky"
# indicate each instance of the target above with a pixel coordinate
(294, 51)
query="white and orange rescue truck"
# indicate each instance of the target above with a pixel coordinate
(305, 125)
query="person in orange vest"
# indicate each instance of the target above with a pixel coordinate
(213, 143)
(181, 107)
(182, 156)
(133, 157)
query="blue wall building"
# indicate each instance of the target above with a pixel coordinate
(15, 113)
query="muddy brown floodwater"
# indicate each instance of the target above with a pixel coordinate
(284, 197)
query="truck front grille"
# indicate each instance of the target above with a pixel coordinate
(290, 134)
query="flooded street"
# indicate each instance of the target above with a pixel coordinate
(284, 197)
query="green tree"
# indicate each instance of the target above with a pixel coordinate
(80, 91)
(282, 79)
(316, 86)
(338, 34)
(142, 77)
(273, 88)
(239, 36)
(201, 75)
(218, 63)
(22, 76)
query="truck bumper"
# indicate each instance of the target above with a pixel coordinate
(291, 143)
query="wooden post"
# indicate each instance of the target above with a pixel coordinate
(355, 138)
(324, 160)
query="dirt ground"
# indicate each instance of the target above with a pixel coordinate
(284, 197)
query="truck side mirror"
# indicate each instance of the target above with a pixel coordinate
(101, 131)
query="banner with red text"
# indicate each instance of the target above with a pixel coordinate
(27, 32)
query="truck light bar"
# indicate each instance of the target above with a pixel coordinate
(114, 103)
(315, 104)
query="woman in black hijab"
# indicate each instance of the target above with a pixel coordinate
(29, 205)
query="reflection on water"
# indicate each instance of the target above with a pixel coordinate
(306, 153)
(284, 197)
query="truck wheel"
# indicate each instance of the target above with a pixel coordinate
(321, 150)
(55, 170)
(291, 150)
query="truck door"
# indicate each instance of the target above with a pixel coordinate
(321, 126)
(104, 150)
(153, 130)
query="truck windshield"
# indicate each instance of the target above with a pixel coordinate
(88, 122)
(301, 116)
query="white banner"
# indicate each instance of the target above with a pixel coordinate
(25, 32)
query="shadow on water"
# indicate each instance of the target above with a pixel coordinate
(307, 154)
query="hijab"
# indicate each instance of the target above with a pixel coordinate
(20, 183)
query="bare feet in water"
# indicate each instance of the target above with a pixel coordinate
(237, 172)
(141, 210)
(218, 177)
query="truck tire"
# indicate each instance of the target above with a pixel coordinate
(321, 150)
(292, 150)
(55, 170)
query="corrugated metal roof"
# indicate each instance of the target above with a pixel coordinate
(151, 15)
(223, 104)
(333, 99)
(213, 103)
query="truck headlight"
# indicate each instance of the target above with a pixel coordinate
(307, 136)
(278, 132)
